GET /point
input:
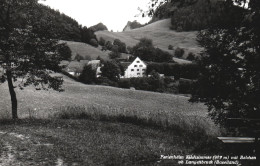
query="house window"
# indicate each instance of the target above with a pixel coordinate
(140, 65)
(132, 70)
(137, 61)
(143, 70)
(138, 74)
(135, 66)
(137, 69)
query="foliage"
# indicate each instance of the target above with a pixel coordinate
(111, 70)
(147, 52)
(191, 56)
(26, 51)
(63, 27)
(121, 45)
(79, 57)
(102, 41)
(129, 49)
(93, 42)
(185, 86)
(109, 45)
(170, 47)
(98, 27)
(65, 52)
(178, 52)
(230, 73)
(190, 15)
(189, 71)
(114, 53)
(88, 75)
(87, 35)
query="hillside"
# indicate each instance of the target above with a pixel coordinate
(44, 103)
(49, 137)
(161, 35)
(84, 50)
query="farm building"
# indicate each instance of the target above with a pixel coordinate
(75, 67)
(135, 69)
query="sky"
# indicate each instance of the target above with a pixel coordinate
(113, 13)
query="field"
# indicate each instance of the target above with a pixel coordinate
(43, 104)
(84, 49)
(98, 125)
(161, 35)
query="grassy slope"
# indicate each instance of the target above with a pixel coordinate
(161, 35)
(111, 101)
(80, 94)
(84, 49)
(50, 142)
(83, 142)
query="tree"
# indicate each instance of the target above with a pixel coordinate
(229, 83)
(93, 42)
(114, 53)
(64, 51)
(79, 57)
(144, 49)
(102, 41)
(109, 45)
(88, 75)
(179, 52)
(25, 51)
(87, 35)
(191, 56)
(170, 47)
(121, 45)
(111, 70)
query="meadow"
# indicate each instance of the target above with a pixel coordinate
(103, 99)
(99, 125)
(162, 37)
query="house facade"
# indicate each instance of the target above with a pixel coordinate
(135, 69)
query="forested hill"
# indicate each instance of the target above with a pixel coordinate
(56, 25)
(63, 26)
(190, 15)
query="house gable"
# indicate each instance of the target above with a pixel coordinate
(136, 69)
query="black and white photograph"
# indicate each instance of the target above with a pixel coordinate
(129, 82)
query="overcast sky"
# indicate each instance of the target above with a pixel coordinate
(113, 13)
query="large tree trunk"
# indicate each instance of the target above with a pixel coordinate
(12, 94)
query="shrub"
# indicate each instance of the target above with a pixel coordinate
(93, 42)
(115, 53)
(185, 86)
(78, 57)
(130, 50)
(170, 47)
(189, 71)
(65, 52)
(179, 52)
(124, 83)
(102, 41)
(191, 56)
(88, 75)
(121, 45)
(111, 70)
(87, 57)
(109, 45)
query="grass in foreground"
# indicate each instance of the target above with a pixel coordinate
(87, 142)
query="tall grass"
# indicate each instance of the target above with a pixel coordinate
(194, 126)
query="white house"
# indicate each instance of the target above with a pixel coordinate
(135, 69)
